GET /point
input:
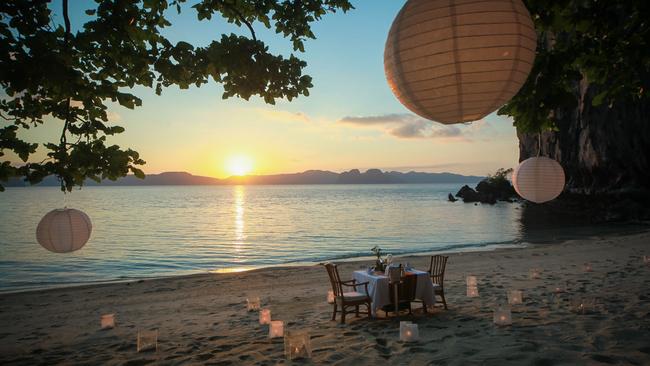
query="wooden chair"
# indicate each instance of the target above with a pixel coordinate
(437, 274)
(402, 292)
(347, 299)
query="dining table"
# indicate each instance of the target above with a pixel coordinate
(378, 287)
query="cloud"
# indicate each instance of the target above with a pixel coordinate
(406, 126)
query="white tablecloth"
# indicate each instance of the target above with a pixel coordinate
(378, 288)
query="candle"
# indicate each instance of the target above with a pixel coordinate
(265, 316)
(253, 304)
(276, 329)
(587, 267)
(472, 291)
(408, 332)
(646, 260)
(330, 297)
(147, 340)
(514, 297)
(297, 344)
(107, 321)
(502, 316)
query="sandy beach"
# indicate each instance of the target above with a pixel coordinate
(202, 319)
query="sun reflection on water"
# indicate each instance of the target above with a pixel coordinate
(239, 202)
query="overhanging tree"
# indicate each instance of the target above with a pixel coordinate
(49, 71)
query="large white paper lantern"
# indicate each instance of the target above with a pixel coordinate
(454, 61)
(538, 179)
(64, 230)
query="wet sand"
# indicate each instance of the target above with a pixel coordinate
(202, 319)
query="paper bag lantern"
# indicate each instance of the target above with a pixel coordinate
(253, 304)
(472, 291)
(646, 260)
(514, 297)
(583, 305)
(471, 281)
(330, 297)
(64, 230)
(538, 179)
(148, 340)
(454, 61)
(587, 267)
(534, 273)
(297, 344)
(265, 316)
(276, 329)
(408, 332)
(502, 316)
(107, 321)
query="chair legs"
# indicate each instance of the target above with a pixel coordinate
(442, 297)
(344, 312)
(334, 313)
(356, 309)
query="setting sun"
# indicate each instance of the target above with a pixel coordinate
(239, 165)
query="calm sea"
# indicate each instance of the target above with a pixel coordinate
(160, 231)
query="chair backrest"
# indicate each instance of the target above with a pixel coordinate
(405, 289)
(335, 279)
(437, 269)
(394, 274)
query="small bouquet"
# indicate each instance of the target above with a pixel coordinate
(379, 263)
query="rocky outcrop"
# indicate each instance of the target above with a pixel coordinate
(488, 190)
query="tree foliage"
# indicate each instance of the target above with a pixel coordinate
(49, 72)
(605, 42)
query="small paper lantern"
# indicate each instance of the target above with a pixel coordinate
(107, 321)
(502, 316)
(514, 297)
(455, 61)
(297, 344)
(148, 340)
(587, 267)
(471, 281)
(253, 304)
(559, 290)
(534, 273)
(646, 260)
(265, 316)
(330, 297)
(408, 332)
(276, 329)
(472, 291)
(64, 230)
(538, 179)
(582, 305)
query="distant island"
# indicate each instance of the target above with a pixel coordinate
(354, 176)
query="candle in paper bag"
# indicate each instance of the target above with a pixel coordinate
(107, 321)
(408, 332)
(253, 304)
(502, 316)
(587, 267)
(330, 297)
(297, 344)
(265, 316)
(534, 273)
(276, 329)
(148, 340)
(514, 297)
(471, 281)
(472, 291)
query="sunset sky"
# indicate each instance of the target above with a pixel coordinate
(350, 120)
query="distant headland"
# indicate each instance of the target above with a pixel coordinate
(354, 176)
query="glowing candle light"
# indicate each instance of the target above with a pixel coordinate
(297, 344)
(276, 329)
(646, 260)
(471, 281)
(514, 297)
(107, 321)
(534, 273)
(472, 291)
(408, 332)
(265, 316)
(330, 297)
(587, 267)
(502, 316)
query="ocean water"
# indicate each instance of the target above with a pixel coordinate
(141, 232)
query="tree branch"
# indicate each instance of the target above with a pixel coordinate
(241, 18)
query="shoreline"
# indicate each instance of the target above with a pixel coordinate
(612, 229)
(202, 318)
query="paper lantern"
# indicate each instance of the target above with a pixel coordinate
(538, 179)
(587, 267)
(107, 321)
(276, 329)
(502, 316)
(330, 297)
(454, 61)
(297, 344)
(64, 230)
(147, 340)
(472, 291)
(471, 281)
(265, 316)
(583, 305)
(514, 297)
(253, 304)
(408, 332)
(646, 260)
